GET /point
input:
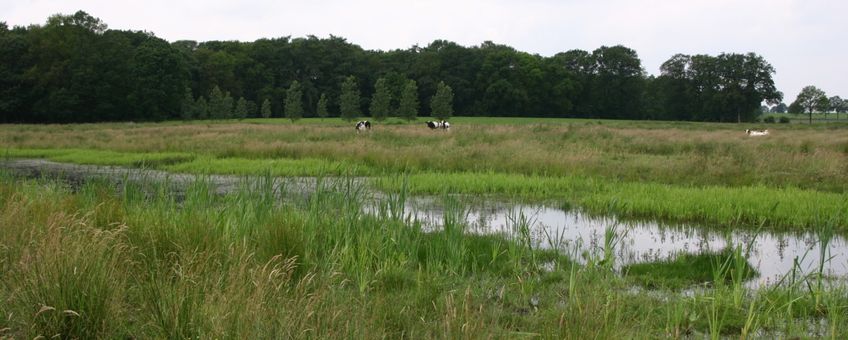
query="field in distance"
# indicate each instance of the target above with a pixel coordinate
(705, 172)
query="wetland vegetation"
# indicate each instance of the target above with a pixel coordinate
(97, 260)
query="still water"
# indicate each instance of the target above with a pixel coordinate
(570, 231)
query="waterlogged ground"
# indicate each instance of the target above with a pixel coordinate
(773, 255)
(584, 237)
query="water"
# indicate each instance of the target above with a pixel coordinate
(576, 233)
(772, 254)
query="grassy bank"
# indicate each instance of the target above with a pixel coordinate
(721, 206)
(680, 153)
(101, 262)
(676, 171)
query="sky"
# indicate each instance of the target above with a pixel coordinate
(806, 41)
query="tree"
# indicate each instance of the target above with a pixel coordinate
(619, 82)
(838, 105)
(809, 99)
(779, 108)
(201, 108)
(220, 104)
(241, 109)
(265, 111)
(349, 100)
(381, 100)
(321, 109)
(408, 108)
(187, 109)
(795, 108)
(441, 104)
(294, 102)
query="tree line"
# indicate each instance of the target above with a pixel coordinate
(74, 69)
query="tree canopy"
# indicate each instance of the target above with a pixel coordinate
(74, 68)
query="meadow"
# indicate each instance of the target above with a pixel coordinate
(137, 261)
(140, 261)
(706, 173)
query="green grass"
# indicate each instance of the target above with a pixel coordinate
(102, 262)
(781, 208)
(275, 167)
(688, 270)
(708, 173)
(101, 157)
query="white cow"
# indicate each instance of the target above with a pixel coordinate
(754, 133)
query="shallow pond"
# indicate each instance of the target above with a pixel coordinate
(772, 254)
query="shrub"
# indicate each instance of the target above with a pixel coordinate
(769, 119)
(783, 120)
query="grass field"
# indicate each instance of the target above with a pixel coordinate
(677, 171)
(103, 262)
(138, 261)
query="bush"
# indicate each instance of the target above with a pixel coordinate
(784, 120)
(769, 119)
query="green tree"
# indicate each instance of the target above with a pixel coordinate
(265, 111)
(201, 107)
(241, 109)
(779, 108)
(441, 104)
(321, 110)
(220, 104)
(838, 105)
(349, 100)
(408, 107)
(187, 108)
(381, 100)
(294, 102)
(810, 99)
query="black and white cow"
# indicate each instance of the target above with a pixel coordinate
(363, 125)
(438, 125)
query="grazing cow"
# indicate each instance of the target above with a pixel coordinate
(363, 125)
(754, 133)
(438, 125)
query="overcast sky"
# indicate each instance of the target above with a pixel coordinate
(806, 41)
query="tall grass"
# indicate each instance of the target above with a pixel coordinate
(716, 205)
(664, 152)
(144, 262)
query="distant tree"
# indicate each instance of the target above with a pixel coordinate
(229, 105)
(187, 108)
(824, 106)
(810, 99)
(838, 105)
(795, 108)
(220, 104)
(265, 111)
(441, 104)
(381, 100)
(408, 107)
(294, 102)
(241, 109)
(779, 108)
(349, 99)
(201, 108)
(251, 108)
(765, 109)
(321, 109)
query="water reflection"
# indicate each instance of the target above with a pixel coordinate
(573, 232)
